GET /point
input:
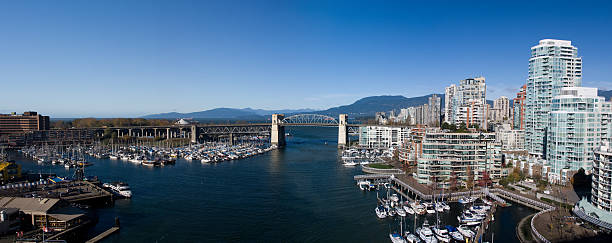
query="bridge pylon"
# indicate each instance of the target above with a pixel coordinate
(342, 131)
(277, 134)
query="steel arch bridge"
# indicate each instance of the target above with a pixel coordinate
(309, 120)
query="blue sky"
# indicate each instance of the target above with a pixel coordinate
(130, 58)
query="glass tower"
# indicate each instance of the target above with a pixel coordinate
(554, 64)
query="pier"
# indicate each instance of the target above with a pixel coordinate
(103, 235)
(410, 188)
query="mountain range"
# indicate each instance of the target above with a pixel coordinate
(365, 107)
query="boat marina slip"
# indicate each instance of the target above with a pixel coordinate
(301, 193)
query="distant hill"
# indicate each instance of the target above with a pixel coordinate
(605, 93)
(368, 106)
(364, 107)
(226, 113)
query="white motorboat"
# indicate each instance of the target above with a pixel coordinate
(396, 238)
(441, 234)
(408, 209)
(364, 185)
(465, 231)
(400, 211)
(465, 200)
(412, 238)
(380, 212)
(457, 236)
(119, 188)
(426, 234)
(350, 163)
(394, 197)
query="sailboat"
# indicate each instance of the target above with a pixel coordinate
(397, 237)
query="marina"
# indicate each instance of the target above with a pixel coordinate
(307, 172)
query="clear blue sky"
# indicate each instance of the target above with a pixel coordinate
(130, 58)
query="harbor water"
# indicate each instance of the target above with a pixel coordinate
(300, 193)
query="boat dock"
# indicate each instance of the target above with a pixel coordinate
(103, 235)
(485, 225)
(408, 187)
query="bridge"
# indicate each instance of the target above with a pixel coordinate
(276, 130)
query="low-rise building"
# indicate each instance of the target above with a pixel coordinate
(510, 139)
(53, 214)
(382, 136)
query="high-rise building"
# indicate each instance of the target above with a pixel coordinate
(501, 109)
(462, 157)
(468, 102)
(449, 95)
(519, 109)
(575, 130)
(434, 111)
(553, 64)
(602, 180)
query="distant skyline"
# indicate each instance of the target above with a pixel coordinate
(133, 58)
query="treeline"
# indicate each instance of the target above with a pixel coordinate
(113, 122)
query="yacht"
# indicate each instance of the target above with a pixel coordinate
(465, 231)
(429, 208)
(119, 188)
(400, 211)
(445, 206)
(465, 200)
(452, 231)
(380, 212)
(396, 238)
(441, 234)
(418, 208)
(408, 209)
(412, 238)
(364, 185)
(426, 234)
(394, 197)
(350, 163)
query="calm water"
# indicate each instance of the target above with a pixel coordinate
(298, 194)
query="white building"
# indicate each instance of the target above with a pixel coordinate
(501, 109)
(449, 95)
(467, 103)
(601, 195)
(575, 129)
(510, 139)
(553, 64)
(382, 136)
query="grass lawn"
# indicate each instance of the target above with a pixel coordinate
(380, 166)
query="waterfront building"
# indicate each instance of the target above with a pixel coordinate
(518, 118)
(382, 136)
(553, 64)
(510, 139)
(54, 214)
(468, 103)
(453, 158)
(601, 194)
(575, 130)
(599, 210)
(14, 126)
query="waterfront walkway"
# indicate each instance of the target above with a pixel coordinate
(103, 235)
